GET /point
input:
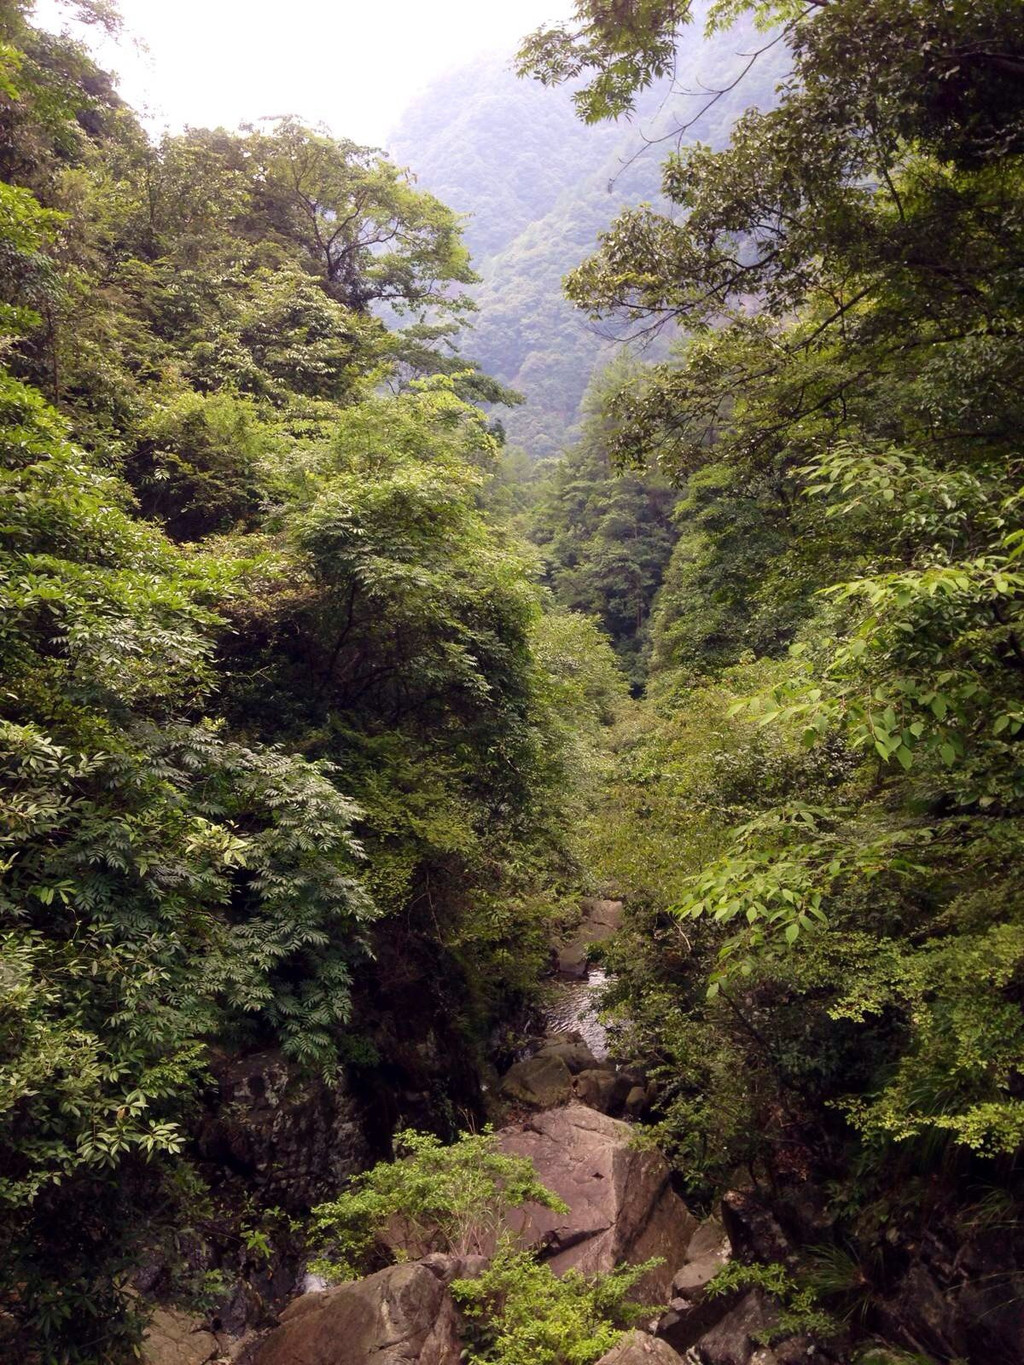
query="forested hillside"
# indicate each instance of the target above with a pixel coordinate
(316, 769)
(538, 187)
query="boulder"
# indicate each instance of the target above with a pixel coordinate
(691, 1312)
(175, 1338)
(601, 919)
(541, 1081)
(636, 1102)
(576, 1056)
(796, 1351)
(573, 961)
(401, 1316)
(691, 1281)
(447, 1266)
(706, 1254)
(601, 1089)
(686, 1321)
(238, 1350)
(621, 1204)
(637, 1348)
(710, 1239)
(921, 1310)
(731, 1340)
(752, 1228)
(990, 1311)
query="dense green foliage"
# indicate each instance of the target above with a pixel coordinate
(519, 1312)
(606, 537)
(290, 723)
(280, 699)
(818, 810)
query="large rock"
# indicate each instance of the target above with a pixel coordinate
(753, 1229)
(708, 1251)
(710, 1239)
(282, 1132)
(573, 961)
(732, 1340)
(635, 1103)
(576, 1056)
(691, 1311)
(601, 919)
(637, 1348)
(686, 1321)
(990, 1303)
(621, 1204)
(692, 1280)
(175, 1338)
(401, 1316)
(603, 1089)
(542, 1081)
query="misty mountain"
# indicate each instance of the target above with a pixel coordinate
(537, 187)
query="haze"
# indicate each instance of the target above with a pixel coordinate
(353, 67)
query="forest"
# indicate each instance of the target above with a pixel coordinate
(341, 688)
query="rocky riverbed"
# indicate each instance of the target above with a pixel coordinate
(564, 1104)
(621, 1207)
(569, 1110)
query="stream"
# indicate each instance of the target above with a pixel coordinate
(572, 1008)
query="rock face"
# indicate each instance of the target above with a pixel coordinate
(977, 1314)
(753, 1229)
(731, 1341)
(602, 1089)
(401, 1316)
(637, 1348)
(542, 1081)
(709, 1250)
(601, 919)
(174, 1338)
(691, 1312)
(621, 1205)
(288, 1136)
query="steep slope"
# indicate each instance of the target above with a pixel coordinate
(538, 187)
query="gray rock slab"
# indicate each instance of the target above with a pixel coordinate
(637, 1348)
(621, 1203)
(401, 1316)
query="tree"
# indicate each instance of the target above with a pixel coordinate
(268, 674)
(606, 539)
(821, 206)
(362, 226)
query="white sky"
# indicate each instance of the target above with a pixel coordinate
(351, 64)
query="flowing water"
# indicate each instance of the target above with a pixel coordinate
(572, 1008)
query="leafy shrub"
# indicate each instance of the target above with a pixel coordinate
(798, 1304)
(434, 1198)
(521, 1313)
